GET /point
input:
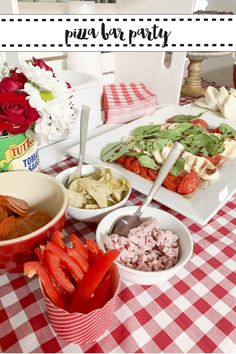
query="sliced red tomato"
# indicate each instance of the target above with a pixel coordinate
(32, 268)
(67, 261)
(128, 163)
(56, 238)
(121, 160)
(78, 244)
(53, 265)
(200, 122)
(136, 166)
(144, 172)
(189, 183)
(216, 130)
(215, 160)
(152, 174)
(92, 279)
(172, 182)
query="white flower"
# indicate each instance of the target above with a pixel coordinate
(52, 99)
(5, 71)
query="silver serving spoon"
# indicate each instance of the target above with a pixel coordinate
(84, 118)
(125, 223)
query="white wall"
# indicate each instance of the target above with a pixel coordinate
(220, 69)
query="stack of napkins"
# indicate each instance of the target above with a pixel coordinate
(219, 100)
(125, 102)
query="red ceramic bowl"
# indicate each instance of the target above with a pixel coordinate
(41, 192)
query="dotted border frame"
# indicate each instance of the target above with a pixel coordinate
(173, 19)
(195, 18)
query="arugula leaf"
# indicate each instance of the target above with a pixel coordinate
(227, 129)
(147, 161)
(178, 167)
(184, 118)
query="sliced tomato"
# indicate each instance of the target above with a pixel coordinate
(144, 172)
(121, 160)
(172, 182)
(216, 130)
(152, 174)
(189, 183)
(128, 163)
(56, 238)
(136, 166)
(200, 122)
(53, 265)
(215, 160)
(67, 261)
(32, 268)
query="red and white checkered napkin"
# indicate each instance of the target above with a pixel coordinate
(82, 328)
(125, 102)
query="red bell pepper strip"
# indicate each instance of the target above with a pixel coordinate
(32, 268)
(52, 263)
(92, 279)
(78, 258)
(78, 244)
(93, 250)
(40, 251)
(56, 238)
(67, 261)
(102, 294)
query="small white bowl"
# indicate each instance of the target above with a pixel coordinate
(167, 222)
(93, 215)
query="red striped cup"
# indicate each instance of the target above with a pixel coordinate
(78, 327)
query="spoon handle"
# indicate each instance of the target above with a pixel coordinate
(169, 162)
(83, 135)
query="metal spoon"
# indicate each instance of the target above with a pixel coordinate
(125, 223)
(83, 137)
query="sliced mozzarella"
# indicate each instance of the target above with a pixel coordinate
(206, 170)
(157, 157)
(230, 149)
(160, 157)
(165, 152)
(229, 108)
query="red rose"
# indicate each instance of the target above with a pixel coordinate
(13, 83)
(16, 115)
(41, 64)
(19, 77)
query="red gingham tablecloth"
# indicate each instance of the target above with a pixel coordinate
(192, 312)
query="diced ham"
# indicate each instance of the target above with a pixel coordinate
(147, 247)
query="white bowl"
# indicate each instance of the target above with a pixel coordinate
(92, 215)
(167, 222)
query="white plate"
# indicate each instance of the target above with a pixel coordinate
(202, 205)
